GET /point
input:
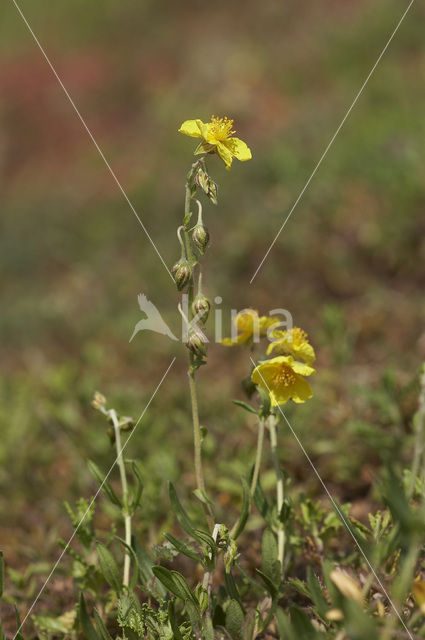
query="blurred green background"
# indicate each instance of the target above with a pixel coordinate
(348, 265)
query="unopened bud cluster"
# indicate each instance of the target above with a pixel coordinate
(201, 305)
(196, 342)
(207, 184)
(200, 237)
(182, 273)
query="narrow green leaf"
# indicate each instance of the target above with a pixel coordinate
(181, 514)
(231, 587)
(180, 588)
(202, 496)
(271, 588)
(208, 628)
(105, 484)
(234, 619)
(109, 567)
(146, 575)
(102, 631)
(245, 406)
(85, 622)
(246, 508)
(248, 626)
(173, 622)
(316, 592)
(182, 547)
(284, 627)
(139, 487)
(270, 565)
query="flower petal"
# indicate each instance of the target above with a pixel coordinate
(303, 369)
(225, 154)
(192, 128)
(239, 149)
(301, 390)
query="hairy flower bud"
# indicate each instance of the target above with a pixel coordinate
(196, 342)
(182, 273)
(201, 238)
(201, 305)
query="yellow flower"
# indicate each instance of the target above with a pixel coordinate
(249, 325)
(217, 136)
(294, 342)
(282, 378)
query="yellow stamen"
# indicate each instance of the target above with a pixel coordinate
(221, 128)
(284, 377)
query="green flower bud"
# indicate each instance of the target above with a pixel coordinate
(98, 401)
(196, 342)
(201, 238)
(201, 305)
(182, 273)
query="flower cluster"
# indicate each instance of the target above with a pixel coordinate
(282, 377)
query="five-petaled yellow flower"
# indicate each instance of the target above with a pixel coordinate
(250, 327)
(294, 342)
(217, 136)
(282, 378)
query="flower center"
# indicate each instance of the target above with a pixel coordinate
(221, 128)
(297, 336)
(245, 321)
(284, 377)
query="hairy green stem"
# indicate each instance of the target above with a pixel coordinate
(197, 438)
(279, 487)
(124, 487)
(258, 456)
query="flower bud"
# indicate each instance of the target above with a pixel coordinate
(201, 305)
(98, 401)
(201, 238)
(196, 342)
(182, 273)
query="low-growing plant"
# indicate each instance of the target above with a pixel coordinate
(321, 573)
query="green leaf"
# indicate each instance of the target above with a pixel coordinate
(49, 624)
(261, 502)
(208, 629)
(174, 582)
(182, 547)
(271, 588)
(146, 575)
(85, 622)
(202, 496)
(173, 622)
(246, 508)
(102, 631)
(234, 619)
(109, 567)
(245, 405)
(18, 635)
(1, 573)
(284, 627)
(303, 628)
(316, 592)
(105, 484)
(248, 626)
(181, 514)
(231, 587)
(139, 487)
(270, 565)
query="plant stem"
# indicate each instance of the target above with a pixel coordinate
(279, 487)
(124, 486)
(260, 441)
(197, 439)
